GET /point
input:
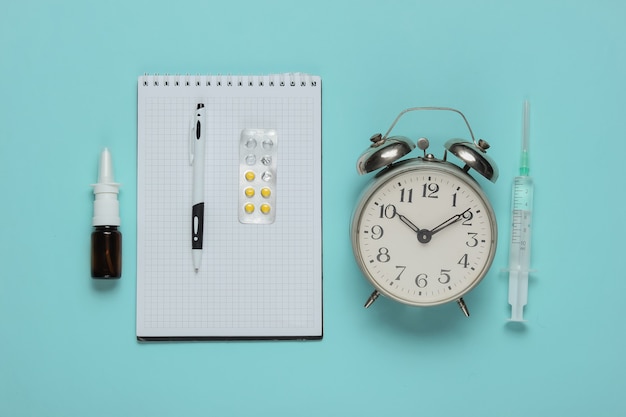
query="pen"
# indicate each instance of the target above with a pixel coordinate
(197, 142)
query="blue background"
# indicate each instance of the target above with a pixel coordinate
(68, 73)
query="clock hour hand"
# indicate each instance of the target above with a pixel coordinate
(448, 222)
(423, 235)
(409, 223)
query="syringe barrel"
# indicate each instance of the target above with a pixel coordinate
(522, 205)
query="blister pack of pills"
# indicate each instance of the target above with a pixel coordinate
(257, 176)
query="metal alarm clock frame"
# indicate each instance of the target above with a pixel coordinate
(403, 259)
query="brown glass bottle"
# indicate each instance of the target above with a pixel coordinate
(106, 252)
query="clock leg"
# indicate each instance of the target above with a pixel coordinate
(372, 298)
(463, 307)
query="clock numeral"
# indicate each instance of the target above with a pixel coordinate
(463, 261)
(467, 217)
(421, 280)
(430, 190)
(383, 255)
(454, 200)
(445, 276)
(377, 232)
(402, 268)
(387, 211)
(472, 242)
(406, 195)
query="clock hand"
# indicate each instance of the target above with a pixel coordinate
(448, 222)
(408, 222)
(423, 235)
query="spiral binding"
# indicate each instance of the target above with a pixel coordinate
(272, 80)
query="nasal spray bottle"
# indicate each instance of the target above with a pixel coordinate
(106, 239)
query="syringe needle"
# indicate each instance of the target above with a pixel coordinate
(524, 163)
(525, 132)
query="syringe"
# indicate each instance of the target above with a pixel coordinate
(519, 250)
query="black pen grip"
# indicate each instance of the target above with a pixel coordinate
(197, 225)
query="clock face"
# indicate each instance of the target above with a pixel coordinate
(424, 233)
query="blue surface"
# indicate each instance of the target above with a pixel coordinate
(68, 75)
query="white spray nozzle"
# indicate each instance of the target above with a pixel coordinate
(106, 209)
(105, 174)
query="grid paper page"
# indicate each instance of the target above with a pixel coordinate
(255, 280)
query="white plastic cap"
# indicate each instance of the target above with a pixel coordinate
(106, 208)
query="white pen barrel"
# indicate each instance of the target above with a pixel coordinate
(199, 139)
(197, 192)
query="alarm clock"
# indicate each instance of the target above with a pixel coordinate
(424, 232)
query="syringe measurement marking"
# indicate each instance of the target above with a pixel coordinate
(521, 224)
(521, 193)
(516, 232)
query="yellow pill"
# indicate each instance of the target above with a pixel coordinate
(266, 192)
(249, 208)
(250, 192)
(250, 175)
(265, 208)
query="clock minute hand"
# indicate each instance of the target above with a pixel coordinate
(448, 222)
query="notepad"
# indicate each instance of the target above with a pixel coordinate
(258, 279)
